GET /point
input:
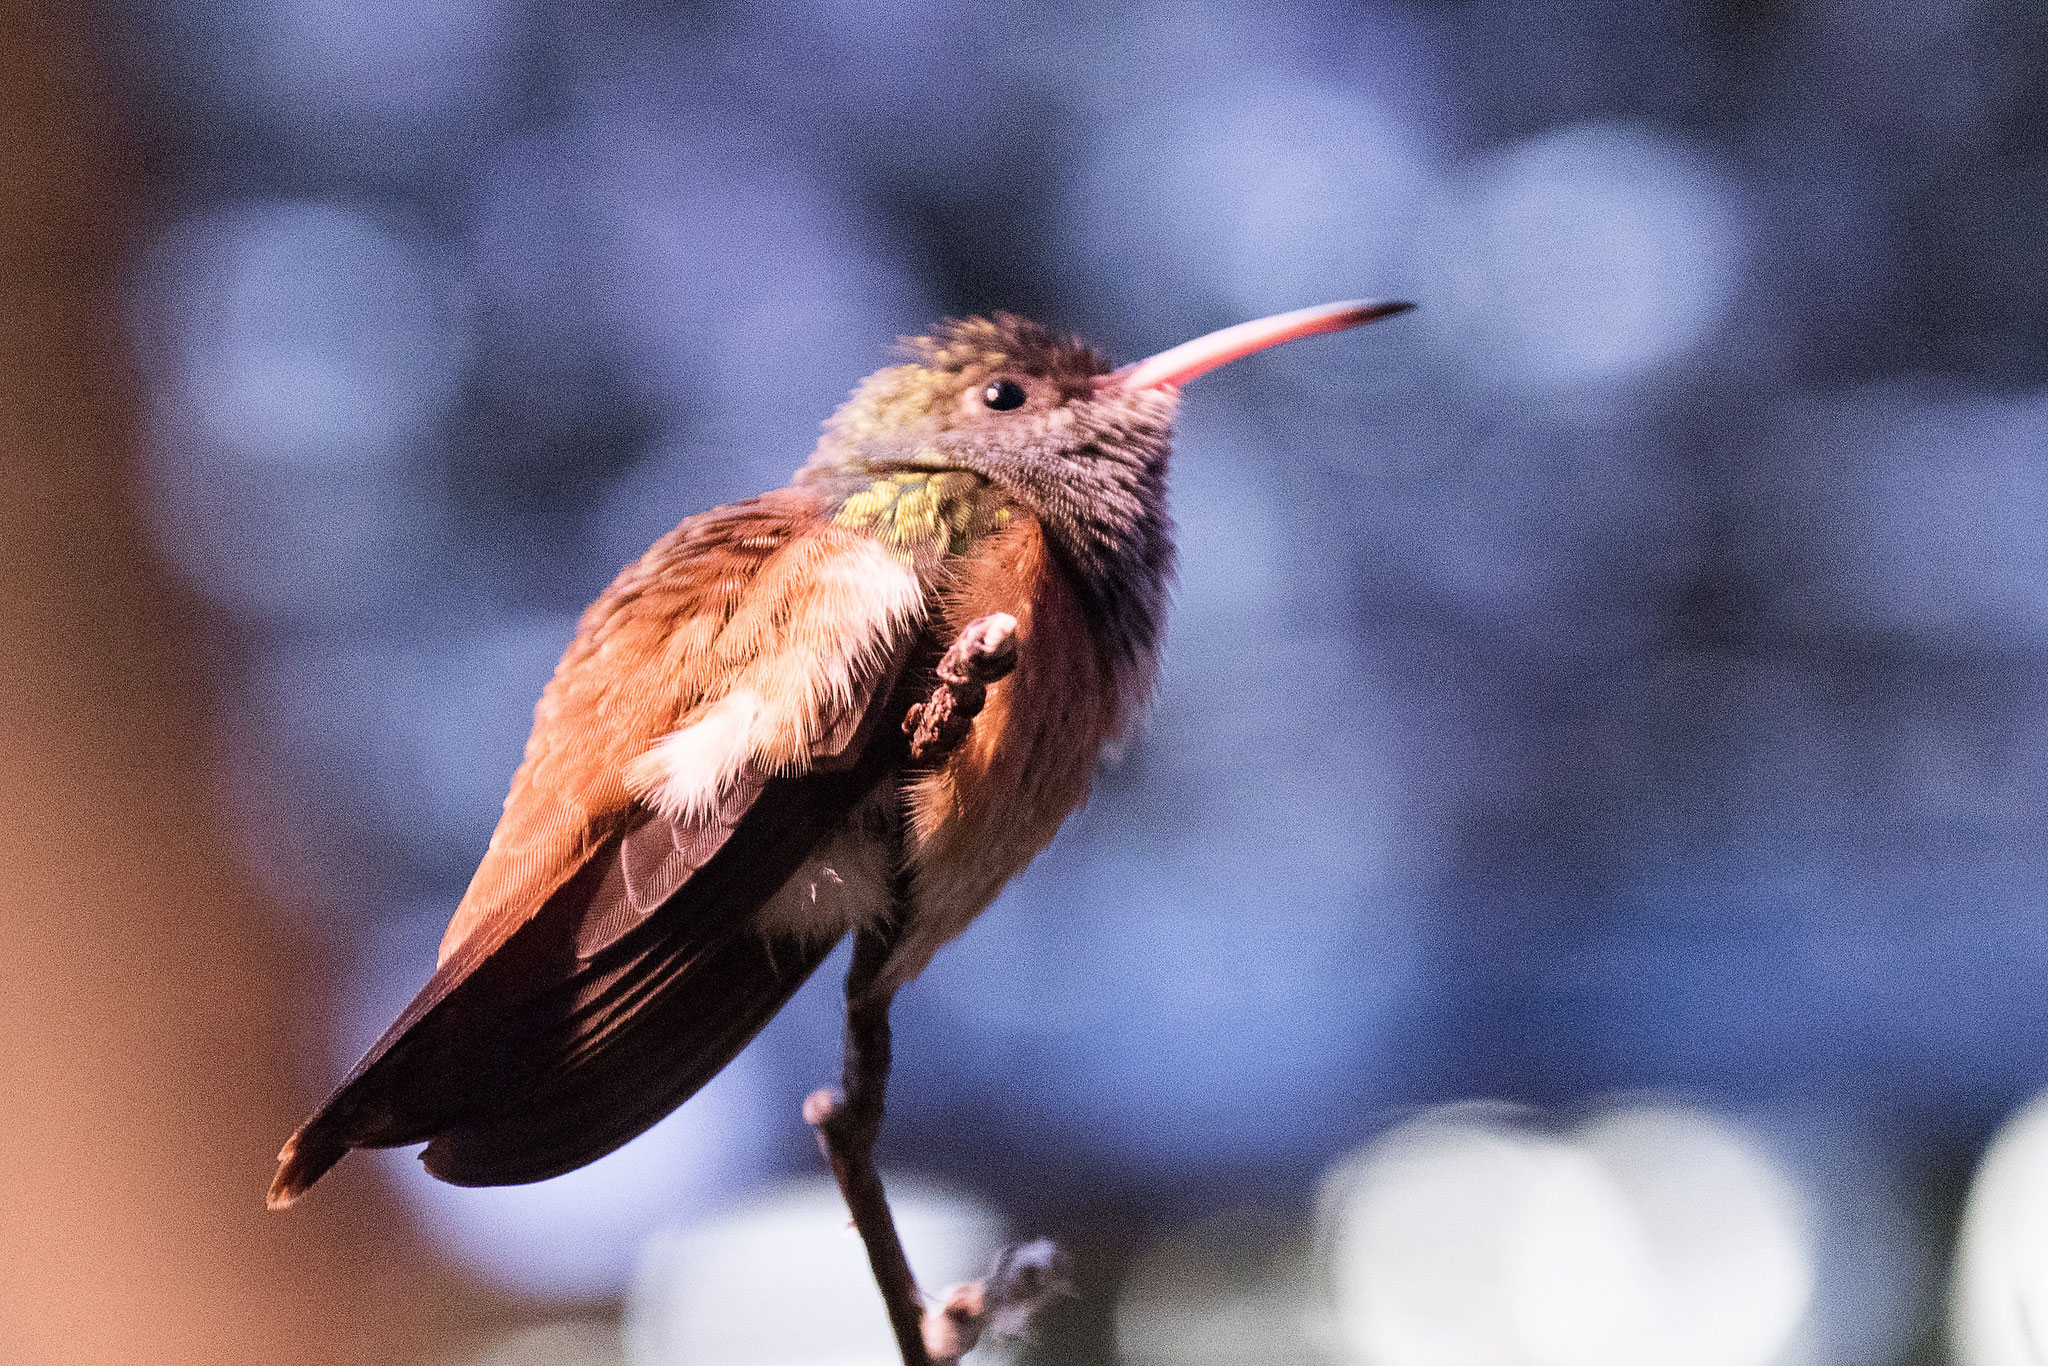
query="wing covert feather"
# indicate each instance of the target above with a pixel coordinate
(762, 598)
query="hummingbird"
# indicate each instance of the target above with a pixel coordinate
(717, 788)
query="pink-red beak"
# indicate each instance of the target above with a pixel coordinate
(1179, 364)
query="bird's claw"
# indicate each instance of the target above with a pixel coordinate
(984, 652)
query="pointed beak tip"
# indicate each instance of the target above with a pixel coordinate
(1174, 367)
(1342, 317)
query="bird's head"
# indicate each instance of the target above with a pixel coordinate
(1047, 422)
(1041, 416)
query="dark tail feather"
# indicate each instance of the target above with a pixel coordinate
(539, 1049)
(631, 1071)
(305, 1158)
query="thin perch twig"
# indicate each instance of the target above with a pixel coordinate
(849, 1120)
(1024, 1278)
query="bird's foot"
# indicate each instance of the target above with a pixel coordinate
(984, 652)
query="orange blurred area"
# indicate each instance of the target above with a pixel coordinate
(149, 1003)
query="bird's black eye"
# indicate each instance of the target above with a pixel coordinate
(1003, 395)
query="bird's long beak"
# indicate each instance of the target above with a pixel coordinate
(1182, 363)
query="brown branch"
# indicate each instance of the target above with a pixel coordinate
(849, 1120)
(1024, 1279)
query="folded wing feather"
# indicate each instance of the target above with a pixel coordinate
(701, 736)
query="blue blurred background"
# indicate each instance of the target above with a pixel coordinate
(1626, 675)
